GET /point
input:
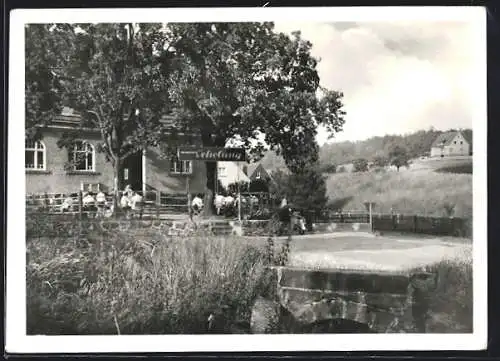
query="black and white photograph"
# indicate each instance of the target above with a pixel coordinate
(247, 179)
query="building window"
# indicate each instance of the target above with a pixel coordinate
(35, 155)
(222, 172)
(257, 175)
(181, 166)
(461, 142)
(82, 157)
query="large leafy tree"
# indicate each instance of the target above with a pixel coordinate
(115, 75)
(399, 157)
(45, 50)
(245, 81)
(225, 81)
(305, 190)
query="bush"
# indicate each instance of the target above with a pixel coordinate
(154, 286)
(305, 190)
(451, 307)
(456, 169)
(329, 168)
(360, 165)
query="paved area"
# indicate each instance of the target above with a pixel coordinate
(368, 251)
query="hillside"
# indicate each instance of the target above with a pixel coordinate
(444, 165)
(418, 192)
(344, 153)
(417, 144)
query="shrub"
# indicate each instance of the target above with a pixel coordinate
(451, 306)
(119, 283)
(360, 165)
(329, 168)
(456, 169)
(305, 190)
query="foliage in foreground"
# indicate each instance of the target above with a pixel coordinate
(305, 189)
(117, 283)
(452, 303)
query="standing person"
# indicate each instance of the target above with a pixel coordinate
(284, 203)
(101, 203)
(136, 203)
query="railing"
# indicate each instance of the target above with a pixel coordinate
(155, 203)
(444, 226)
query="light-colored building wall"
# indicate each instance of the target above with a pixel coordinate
(437, 151)
(156, 173)
(231, 172)
(56, 179)
(457, 146)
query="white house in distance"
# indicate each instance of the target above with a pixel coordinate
(231, 172)
(450, 144)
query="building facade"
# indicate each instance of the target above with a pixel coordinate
(231, 172)
(51, 169)
(450, 144)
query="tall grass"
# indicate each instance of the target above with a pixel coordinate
(407, 192)
(451, 304)
(117, 283)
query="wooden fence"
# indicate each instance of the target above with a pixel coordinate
(159, 204)
(443, 226)
(156, 203)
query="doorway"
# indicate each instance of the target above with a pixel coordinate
(132, 172)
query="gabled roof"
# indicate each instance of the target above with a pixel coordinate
(251, 168)
(445, 139)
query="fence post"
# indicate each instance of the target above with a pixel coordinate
(415, 224)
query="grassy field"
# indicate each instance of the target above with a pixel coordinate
(458, 164)
(423, 192)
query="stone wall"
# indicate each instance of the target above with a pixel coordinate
(368, 302)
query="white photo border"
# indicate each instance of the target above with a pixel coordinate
(16, 339)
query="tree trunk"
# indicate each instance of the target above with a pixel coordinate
(211, 168)
(118, 182)
(210, 187)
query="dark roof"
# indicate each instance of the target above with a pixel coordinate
(254, 166)
(445, 139)
(71, 118)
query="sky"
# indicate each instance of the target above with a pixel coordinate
(396, 77)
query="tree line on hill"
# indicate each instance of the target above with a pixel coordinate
(380, 151)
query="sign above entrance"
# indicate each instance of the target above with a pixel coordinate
(212, 154)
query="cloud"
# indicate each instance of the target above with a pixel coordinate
(396, 77)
